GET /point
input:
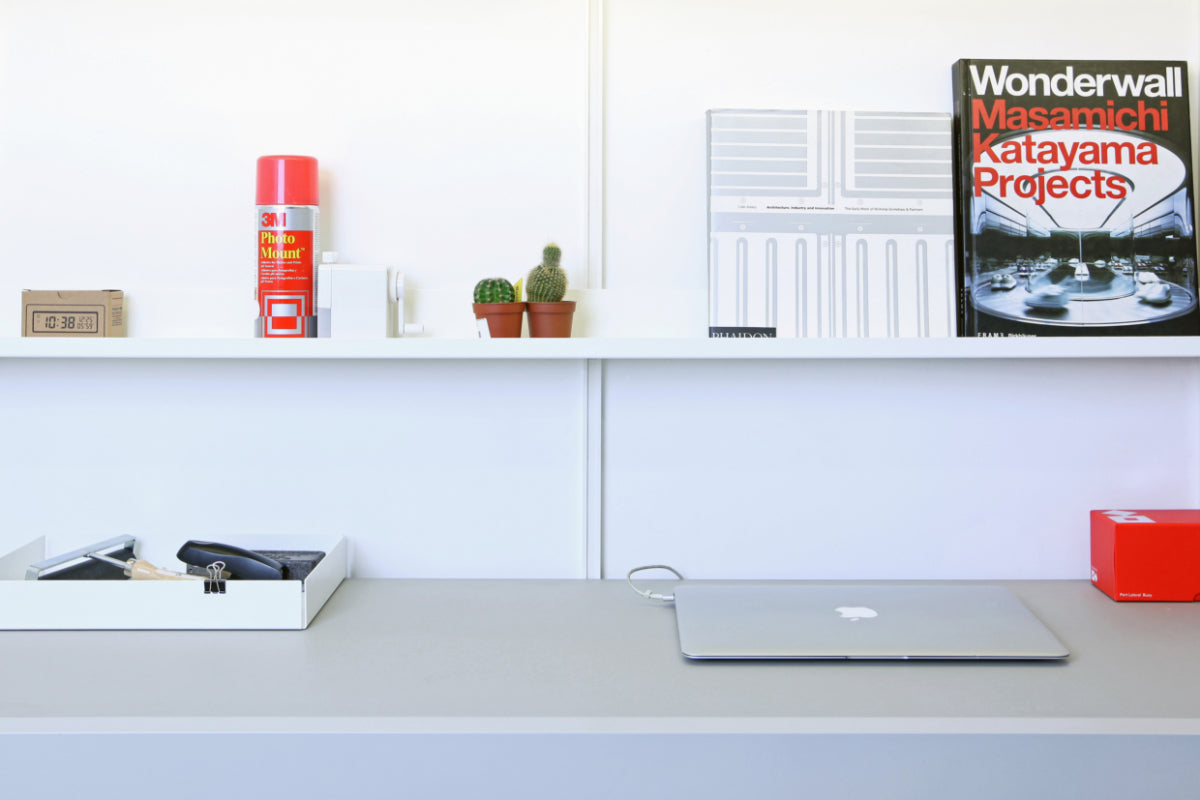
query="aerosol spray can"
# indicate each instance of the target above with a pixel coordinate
(288, 244)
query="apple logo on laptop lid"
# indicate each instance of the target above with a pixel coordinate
(855, 613)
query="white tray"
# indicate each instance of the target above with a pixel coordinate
(170, 605)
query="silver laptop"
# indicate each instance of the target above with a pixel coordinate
(858, 621)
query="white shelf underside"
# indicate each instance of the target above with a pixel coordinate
(613, 348)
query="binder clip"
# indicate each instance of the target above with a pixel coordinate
(215, 582)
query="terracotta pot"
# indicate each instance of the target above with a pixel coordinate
(551, 320)
(503, 319)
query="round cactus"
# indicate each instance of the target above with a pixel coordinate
(494, 290)
(547, 282)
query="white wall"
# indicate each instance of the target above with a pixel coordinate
(884, 469)
(864, 469)
(668, 61)
(430, 469)
(455, 139)
(451, 139)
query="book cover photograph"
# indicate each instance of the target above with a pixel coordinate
(830, 224)
(1074, 206)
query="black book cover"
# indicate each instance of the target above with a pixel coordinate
(1074, 209)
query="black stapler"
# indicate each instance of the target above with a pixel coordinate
(241, 564)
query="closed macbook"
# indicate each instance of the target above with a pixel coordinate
(858, 621)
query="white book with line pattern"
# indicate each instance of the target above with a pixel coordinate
(830, 224)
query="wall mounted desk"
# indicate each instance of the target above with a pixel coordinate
(577, 688)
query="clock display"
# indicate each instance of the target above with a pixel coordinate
(66, 322)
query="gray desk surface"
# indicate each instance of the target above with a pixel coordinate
(561, 656)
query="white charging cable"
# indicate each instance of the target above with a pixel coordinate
(646, 593)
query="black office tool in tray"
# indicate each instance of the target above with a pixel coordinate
(240, 563)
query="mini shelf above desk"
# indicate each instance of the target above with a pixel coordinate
(515, 688)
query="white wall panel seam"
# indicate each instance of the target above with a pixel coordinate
(595, 146)
(593, 425)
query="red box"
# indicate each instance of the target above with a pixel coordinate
(1147, 555)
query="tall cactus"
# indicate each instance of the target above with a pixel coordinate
(494, 290)
(547, 282)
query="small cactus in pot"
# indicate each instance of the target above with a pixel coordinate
(495, 302)
(547, 282)
(545, 286)
(495, 290)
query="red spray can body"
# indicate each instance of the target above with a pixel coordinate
(288, 243)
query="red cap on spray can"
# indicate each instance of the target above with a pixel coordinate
(287, 181)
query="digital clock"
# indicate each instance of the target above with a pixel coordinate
(62, 313)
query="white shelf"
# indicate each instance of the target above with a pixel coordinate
(617, 348)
